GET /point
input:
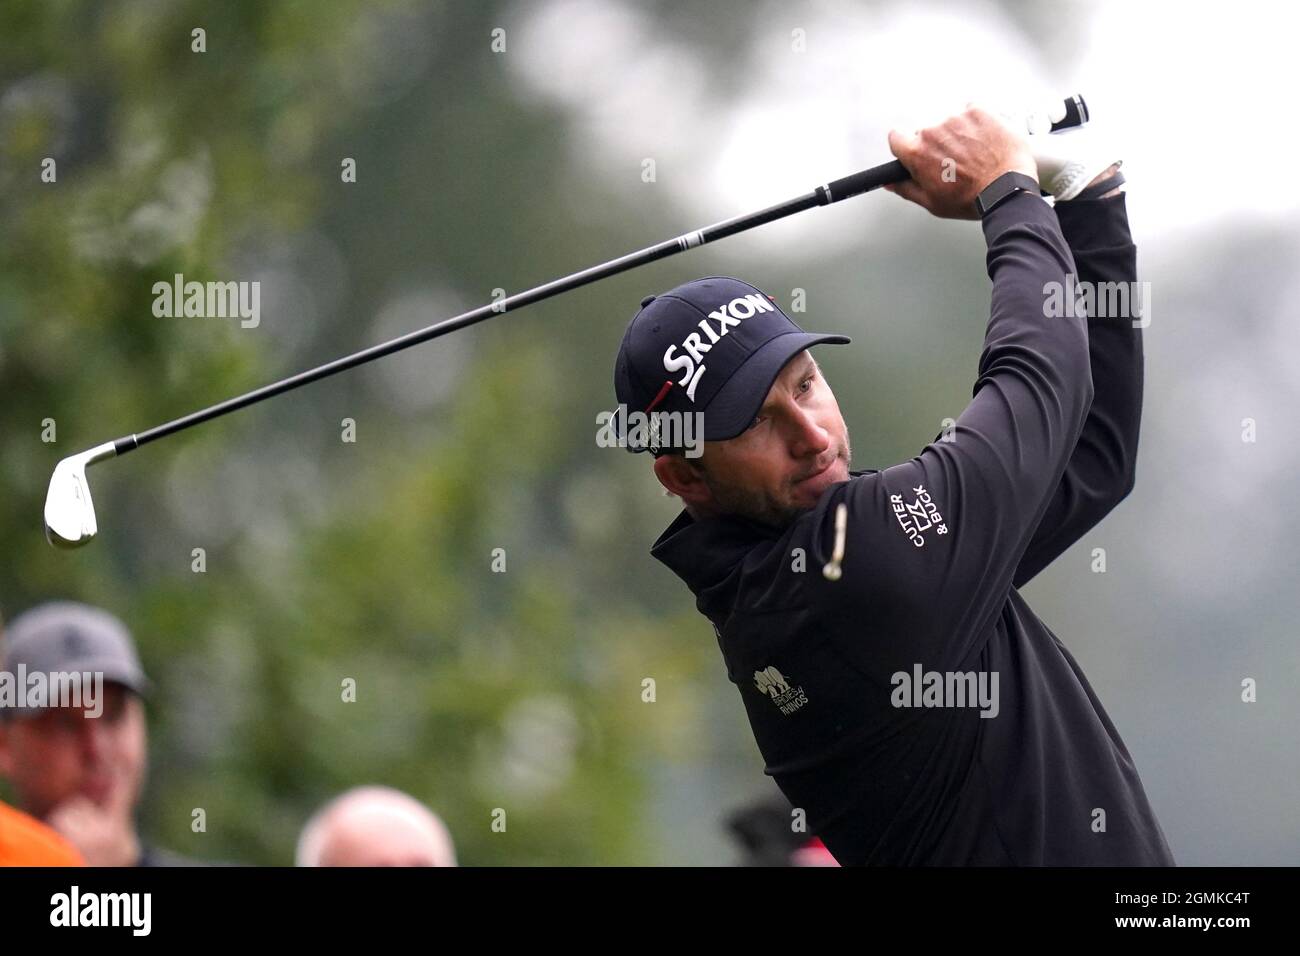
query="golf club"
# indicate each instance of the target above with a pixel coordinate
(70, 512)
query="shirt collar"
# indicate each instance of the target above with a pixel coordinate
(707, 553)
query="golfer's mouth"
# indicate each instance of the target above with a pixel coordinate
(825, 469)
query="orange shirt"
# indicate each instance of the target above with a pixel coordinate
(25, 841)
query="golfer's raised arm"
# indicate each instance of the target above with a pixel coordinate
(931, 545)
(1102, 469)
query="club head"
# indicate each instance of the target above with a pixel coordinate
(69, 510)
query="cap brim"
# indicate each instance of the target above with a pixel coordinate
(738, 401)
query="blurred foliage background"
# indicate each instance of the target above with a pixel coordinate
(482, 169)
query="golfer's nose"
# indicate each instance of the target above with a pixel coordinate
(807, 437)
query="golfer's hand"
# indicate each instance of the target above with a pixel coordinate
(952, 162)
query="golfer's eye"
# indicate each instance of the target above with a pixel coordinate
(806, 384)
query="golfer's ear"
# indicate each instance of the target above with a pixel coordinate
(677, 475)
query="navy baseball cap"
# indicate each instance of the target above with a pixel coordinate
(713, 345)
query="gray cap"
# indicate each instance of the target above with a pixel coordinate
(64, 636)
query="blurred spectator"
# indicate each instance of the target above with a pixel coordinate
(765, 830)
(25, 841)
(375, 826)
(80, 770)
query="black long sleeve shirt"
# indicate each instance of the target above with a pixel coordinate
(916, 708)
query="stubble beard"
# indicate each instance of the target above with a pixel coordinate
(735, 499)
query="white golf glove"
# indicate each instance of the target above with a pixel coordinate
(1068, 160)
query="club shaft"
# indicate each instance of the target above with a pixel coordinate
(821, 196)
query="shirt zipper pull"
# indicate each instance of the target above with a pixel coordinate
(832, 571)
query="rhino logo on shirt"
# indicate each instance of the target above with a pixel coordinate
(772, 682)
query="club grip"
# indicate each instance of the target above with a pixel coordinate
(1076, 114)
(868, 179)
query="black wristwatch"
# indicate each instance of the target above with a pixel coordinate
(1001, 189)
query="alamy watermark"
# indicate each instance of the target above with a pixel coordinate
(24, 690)
(74, 908)
(209, 300)
(923, 688)
(651, 430)
(1102, 300)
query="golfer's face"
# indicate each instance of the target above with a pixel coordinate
(797, 447)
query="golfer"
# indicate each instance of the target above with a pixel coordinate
(901, 691)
